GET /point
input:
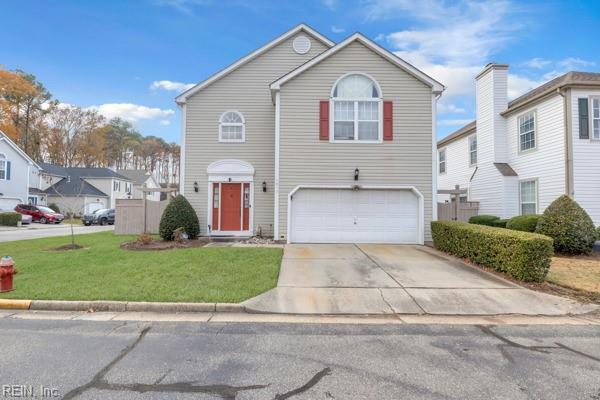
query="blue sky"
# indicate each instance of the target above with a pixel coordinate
(130, 58)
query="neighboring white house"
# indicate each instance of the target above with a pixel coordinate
(18, 175)
(141, 180)
(519, 156)
(83, 190)
(312, 141)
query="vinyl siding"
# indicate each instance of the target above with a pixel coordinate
(15, 190)
(306, 160)
(586, 161)
(247, 91)
(458, 170)
(546, 162)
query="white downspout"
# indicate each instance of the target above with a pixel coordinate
(182, 151)
(434, 155)
(276, 202)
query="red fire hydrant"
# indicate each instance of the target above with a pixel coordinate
(7, 270)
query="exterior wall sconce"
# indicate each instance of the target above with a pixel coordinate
(264, 185)
(356, 171)
(196, 188)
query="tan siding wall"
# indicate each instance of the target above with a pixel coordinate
(307, 160)
(245, 90)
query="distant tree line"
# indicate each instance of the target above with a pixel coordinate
(71, 136)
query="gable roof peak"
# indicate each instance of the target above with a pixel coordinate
(182, 98)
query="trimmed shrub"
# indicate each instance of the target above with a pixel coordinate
(525, 223)
(179, 214)
(598, 233)
(522, 255)
(10, 218)
(500, 223)
(483, 220)
(54, 206)
(569, 225)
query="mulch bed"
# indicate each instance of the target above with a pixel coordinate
(164, 245)
(66, 247)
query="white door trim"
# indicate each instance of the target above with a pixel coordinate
(230, 171)
(416, 191)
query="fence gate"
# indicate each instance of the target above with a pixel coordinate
(130, 216)
(457, 211)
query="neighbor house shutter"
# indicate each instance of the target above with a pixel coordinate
(8, 170)
(388, 120)
(584, 126)
(324, 120)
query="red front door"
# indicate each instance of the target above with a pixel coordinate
(231, 207)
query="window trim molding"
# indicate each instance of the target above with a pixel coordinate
(355, 101)
(535, 131)
(445, 161)
(4, 159)
(473, 164)
(537, 197)
(591, 117)
(243, 125)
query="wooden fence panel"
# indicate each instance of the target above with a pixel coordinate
(129, 216)
(448, 211)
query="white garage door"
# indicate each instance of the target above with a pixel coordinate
(354, 216)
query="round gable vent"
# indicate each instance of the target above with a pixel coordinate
(301, 44)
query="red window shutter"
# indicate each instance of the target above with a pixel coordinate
(324, 120)
(388, 120)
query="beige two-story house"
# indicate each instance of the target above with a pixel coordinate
(307, 140)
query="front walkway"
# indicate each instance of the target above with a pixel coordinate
(393, 279)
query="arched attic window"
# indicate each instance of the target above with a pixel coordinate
(356, 101)
(232, 127)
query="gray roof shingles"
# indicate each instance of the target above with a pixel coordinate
(137, 176)
(73, 182)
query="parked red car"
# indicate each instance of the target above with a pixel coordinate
(41, 214)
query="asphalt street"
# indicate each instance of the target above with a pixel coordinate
(168, 360)
(37, 231)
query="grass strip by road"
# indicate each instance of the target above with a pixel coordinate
(104, 271)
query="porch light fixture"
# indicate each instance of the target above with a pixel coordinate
(264, 186)
(356, 171)
(196, 188)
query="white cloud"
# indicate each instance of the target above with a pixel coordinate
(331, 4)
(537, 63)
(454, 122)
(379, 37)
(183, 6)
(451, 41)
(571, 63)
(131, 112)
(518, 85)
(171, 86)
(444, 107)
(337, 29)
(164, 122)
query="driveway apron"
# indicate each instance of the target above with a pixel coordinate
(395, 279)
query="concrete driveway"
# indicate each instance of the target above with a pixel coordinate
(390, 279)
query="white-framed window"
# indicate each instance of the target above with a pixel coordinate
(2, 167)
(527, 140)
(473, 150)
(356, 110)
(528, 196)
(595, 118)
(232, 127)
(442, 161)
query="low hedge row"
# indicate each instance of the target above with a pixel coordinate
(10, 218)
(523, 255)
(525, 223)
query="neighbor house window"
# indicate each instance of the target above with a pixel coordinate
(528, 196)
(2, 167)
(232, 127)
(356, 103)
(472, 150)
(527, 131)
(442, 161)
(595, 117)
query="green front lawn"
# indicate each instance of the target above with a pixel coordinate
(103, 271)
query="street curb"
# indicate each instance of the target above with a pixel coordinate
(9, 304)
(119, 306)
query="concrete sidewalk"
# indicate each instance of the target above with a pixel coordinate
(392, 279)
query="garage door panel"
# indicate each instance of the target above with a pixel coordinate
(350, 216)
